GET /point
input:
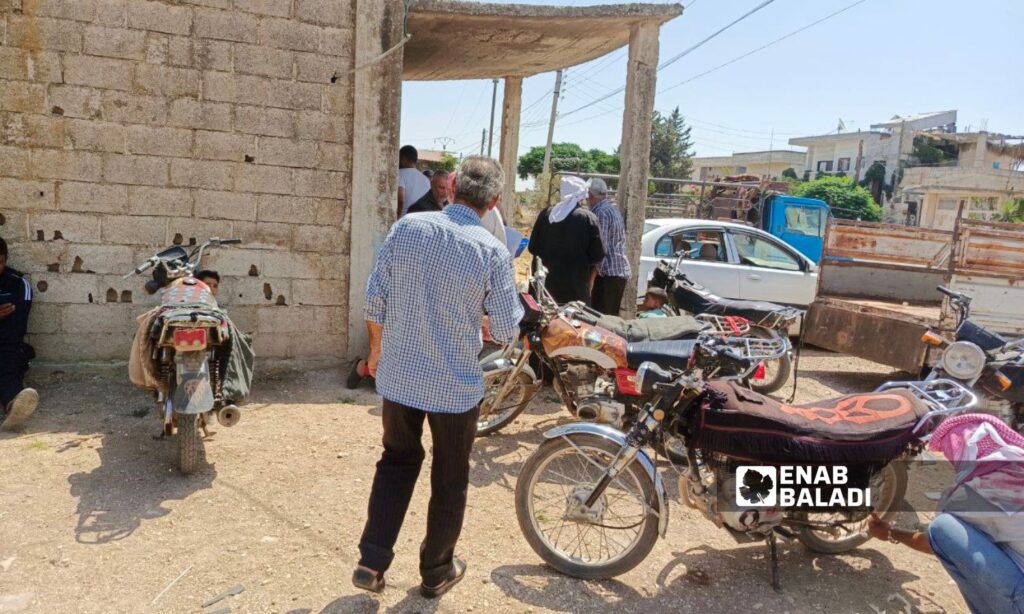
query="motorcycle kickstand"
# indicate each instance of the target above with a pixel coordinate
(773, 561)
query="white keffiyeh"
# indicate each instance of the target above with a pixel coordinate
(573, 190)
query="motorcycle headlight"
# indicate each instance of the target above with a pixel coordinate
(963, 360)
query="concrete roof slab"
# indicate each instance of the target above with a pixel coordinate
(472, 40)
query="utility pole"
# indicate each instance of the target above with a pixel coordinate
(860, 156)
(483, 138)
(899, 158)
(445, 141)
(490, 134)
(551, 122)
(771, 147)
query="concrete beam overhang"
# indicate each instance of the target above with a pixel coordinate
(471, 40)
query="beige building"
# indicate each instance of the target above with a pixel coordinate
(853, 153)
(760, 163)
(130, 125)
(984, 175)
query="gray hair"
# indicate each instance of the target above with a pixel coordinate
(598, 187)
(479, 180)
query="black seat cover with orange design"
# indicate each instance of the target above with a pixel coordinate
(859, 428)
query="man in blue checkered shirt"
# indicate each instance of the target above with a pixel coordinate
(436, 276)
(613, 272)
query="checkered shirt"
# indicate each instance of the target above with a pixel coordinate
(436, 276)
(613, 236)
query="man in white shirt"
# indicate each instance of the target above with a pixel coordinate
(412, 183)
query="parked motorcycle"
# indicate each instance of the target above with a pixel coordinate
(182, 351)
(982, 360)
(591, 503)
(594, 370)
(768, 320)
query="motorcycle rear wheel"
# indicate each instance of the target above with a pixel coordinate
(190, 443)
(776, 372)
(562, 470)
(892, 490)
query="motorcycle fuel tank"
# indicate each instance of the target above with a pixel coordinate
(582, 341)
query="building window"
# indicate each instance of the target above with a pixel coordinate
(948, 203)
(741, 170)
(844, 164)
(824, 166)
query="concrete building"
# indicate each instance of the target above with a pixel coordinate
(760, 163)
(853, 153)
(985, 173)
(129, 125)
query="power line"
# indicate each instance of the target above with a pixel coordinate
(762, 47)
(679, 55)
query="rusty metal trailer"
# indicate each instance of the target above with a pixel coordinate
(876, 286)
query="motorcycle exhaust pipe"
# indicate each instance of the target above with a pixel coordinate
(229, 415)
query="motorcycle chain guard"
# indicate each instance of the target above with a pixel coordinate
(192, 392)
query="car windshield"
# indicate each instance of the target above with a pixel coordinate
(649, 227)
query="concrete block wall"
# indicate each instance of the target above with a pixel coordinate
(130, 125)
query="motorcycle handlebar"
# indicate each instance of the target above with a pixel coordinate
(956, 296)
(230, 241)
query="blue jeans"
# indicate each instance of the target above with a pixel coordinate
(989, 580)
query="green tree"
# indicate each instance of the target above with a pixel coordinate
(846, 199)
(564, 157)
(789, 173)
(671, 155)
(1013, 211)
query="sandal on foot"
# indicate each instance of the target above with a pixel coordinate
(368, 580)
(455, 575)
(21, 408)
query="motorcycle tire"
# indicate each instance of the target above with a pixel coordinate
(190, 443)
(781, 367)
(896, 477)
(524, 388)
(576, 568)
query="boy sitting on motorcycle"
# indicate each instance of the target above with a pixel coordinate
(654, 303)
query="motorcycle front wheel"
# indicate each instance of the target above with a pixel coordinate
(888, 488)
(614, 536)
(494, 418)
(190, 443)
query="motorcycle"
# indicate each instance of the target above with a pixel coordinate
(594, 370)
(591, 503)
(182, 349)
(768, 320)
(983, 360)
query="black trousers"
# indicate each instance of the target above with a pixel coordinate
(393, 484)
(607, 295)
(13, 365)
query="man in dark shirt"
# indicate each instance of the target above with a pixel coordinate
(437, 198)
(567, 239)
(17, 403)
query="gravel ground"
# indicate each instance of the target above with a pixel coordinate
(93, 518)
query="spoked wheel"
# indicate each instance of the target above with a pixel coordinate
(494, 417)
(775, 372)
(888, 487)
(605, 540)
(190, 444)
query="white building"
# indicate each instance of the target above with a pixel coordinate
(760, 163)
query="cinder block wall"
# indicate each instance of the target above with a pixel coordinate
(130, 125)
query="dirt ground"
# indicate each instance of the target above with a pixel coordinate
(94, 518)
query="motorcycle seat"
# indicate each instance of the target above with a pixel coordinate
(663, 353)
(697, 300)
(867, 427)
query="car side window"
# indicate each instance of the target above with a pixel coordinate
(755, 251)
(804, 221)
(693, 245)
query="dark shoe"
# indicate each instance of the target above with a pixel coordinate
(458, 571)
(20, 409)
(368, 580)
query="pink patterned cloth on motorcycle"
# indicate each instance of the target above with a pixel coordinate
(952, 437)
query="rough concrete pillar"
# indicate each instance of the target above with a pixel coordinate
(376, 116)
(635, 151)
(980, 150)
(508, 154)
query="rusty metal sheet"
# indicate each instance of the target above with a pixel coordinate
(997, 303)
(877, 336)
(989, 249)
(893, 245)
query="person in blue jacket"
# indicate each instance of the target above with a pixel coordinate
(17, 403)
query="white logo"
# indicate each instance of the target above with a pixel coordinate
(756, 486)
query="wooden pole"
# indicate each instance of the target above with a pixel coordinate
(551, 122)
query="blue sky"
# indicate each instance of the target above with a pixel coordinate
(880, 58)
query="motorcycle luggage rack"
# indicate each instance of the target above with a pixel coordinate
(725, 325)
(756, 348)
(945, 396)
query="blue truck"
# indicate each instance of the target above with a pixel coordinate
(800, 222)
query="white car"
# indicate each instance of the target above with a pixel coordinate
(732, 260)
